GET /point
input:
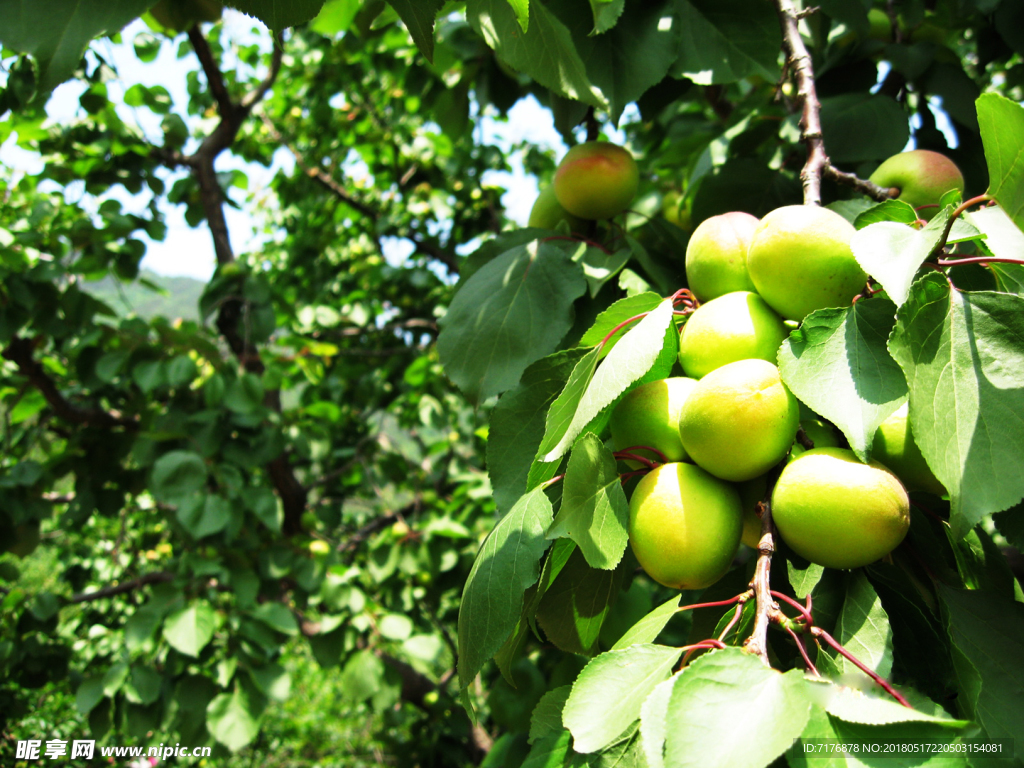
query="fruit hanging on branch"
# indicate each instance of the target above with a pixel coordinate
(839, 512)
(920, 178)
(684, 525)
(894, 446)
(649, 416)
(547, 213)
(740, 420)
(736, 326)
(716, 255)
(596, 180)
(800, 260)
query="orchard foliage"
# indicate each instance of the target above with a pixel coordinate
(298, 468)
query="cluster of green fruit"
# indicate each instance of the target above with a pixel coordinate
(730, 419)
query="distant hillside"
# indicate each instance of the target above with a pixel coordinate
(181, 297)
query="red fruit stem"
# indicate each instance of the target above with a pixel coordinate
(627, 475)
(740, 598)
(803, 611)
(703, 645)
(957, 213)
(732, 622)
(634, 457)
(635, 448)
(820, 633)
(621, 325)
(803, 652)
(978, 260)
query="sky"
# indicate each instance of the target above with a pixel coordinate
(188, 251)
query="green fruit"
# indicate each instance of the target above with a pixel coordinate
(821, 434)
(596, 180)
(649, 415)
(716, 256)
(674, 210)
(800, 260)
(684, 526)
(752, 492)
(736, 326)
(922, 178)
(739, 421)
(894, 446)
(547, 213)
(837, 512)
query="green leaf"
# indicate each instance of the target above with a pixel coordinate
(892, 253)
(563, 410)
(988, 633)
(56, 34)
(606, 14)
(395, 626)
(727, 40)
(277, 616)
(855, 706)
(612, 66)
(863, 629)
(607, 696)
(616, 314)
(649, 627)
(546, 52)
(190, 629)
(143, 685)
(889, 210)
(89, 694)
(513, 311)
(418, 17)
(547, 715)
(1002, 121)
(1003, 239)
(575, 606)
(653, 714)
(804, 580)
(963, 357)
(508, 563)
(1011, 525)
(863, 127)
(204, 514)
(599, 266)
(279, 14)
(233, 718)
(522, 9)
(625, 364)
(981, 564)
(266, 506)
(517, 425)
(335, 17)
(837, 363)
(245, 394)
(594, 511)
(273, 681)
(729, 689)
(176, 475)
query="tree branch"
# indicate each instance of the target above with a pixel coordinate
(122, 588)
(19, 352)
(757, 643)
(799, 61)
(818, 165)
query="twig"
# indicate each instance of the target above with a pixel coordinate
(732, 622)
(757, 643)
(19, 351)
(819, 633)
(956, 214)
(803, 652)
(122, 588)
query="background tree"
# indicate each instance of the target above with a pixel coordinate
(293, 475)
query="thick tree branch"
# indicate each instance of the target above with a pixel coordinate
(19, 352)
(757, 643)
(798, 61)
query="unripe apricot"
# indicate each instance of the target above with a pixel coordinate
(736, 326)
(684, 526)
(894, 446)
(547, 212)
(821, 434)
(921, 176)
(716, 255)
(596, 180)
(649, 415)
(838, 512)
(800, 260)
(740, 420)
(752, 493)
